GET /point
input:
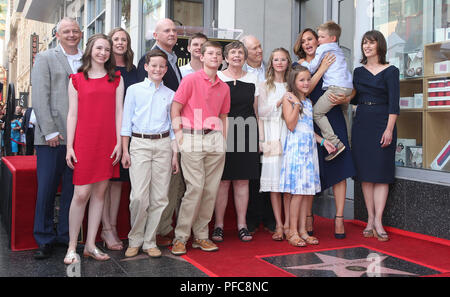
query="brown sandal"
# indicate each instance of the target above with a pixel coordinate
(278, 235)
(295, 240)
(311, 240)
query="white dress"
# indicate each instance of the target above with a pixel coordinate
(274, 129)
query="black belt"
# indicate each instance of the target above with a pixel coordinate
(201, 132)
(151, 136)
(372, 103)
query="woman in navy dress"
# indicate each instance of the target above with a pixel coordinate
(123, 55)
(374, 134)
(332, 173)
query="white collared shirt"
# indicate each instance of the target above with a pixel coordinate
(74, 60)
(186, 69)
(260, 72)
(147, 109)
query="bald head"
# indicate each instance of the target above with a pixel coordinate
(255, 52)
(166, 34)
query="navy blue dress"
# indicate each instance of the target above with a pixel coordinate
(373, 163)
(129, 78)
(342, 167)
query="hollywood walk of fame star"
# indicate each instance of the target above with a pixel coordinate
(370, 265)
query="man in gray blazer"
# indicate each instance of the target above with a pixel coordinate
(50, 79)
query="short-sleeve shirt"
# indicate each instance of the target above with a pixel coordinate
(203, 101)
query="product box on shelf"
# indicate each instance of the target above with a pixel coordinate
(442, 160)
(414, 156)
(418, 100)
(406, 102)
(400, 152)
(442, 67)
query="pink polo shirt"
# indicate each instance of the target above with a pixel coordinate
(203, 101)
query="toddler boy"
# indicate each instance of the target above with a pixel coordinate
(337, 80)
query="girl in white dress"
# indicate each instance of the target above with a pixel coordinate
(272, 134)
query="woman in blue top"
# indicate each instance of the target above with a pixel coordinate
(374, 134)
(123, 55)
(15, 136)
(335, 172)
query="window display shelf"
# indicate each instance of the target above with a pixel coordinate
(423, 125)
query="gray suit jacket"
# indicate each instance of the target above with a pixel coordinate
(50, 80)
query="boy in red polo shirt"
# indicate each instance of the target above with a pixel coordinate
(199, 119)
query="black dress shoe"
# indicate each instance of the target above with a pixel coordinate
(44, 252)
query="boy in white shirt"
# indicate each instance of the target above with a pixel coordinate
(195, 43)
(146, 120)
(337, 80)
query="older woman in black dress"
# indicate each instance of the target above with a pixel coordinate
(374, 134)
(242, 157)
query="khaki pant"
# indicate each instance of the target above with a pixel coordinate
(176, 192)
(202, 161)
(150, 173)
(324, 105)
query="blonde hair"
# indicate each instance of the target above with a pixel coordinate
(332, 28)
(270, 73)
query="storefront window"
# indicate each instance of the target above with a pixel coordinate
(187, 13)
(95, 17)
(153, 10)
(125, 6)
(418, 37)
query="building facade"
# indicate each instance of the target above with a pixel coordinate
(416, 31)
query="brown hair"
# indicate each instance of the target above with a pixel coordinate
(129, 55)
(235, 45)
(86, 59)
(270, 73)
(332, 28)
(377, 36)
(155, 53)
(291, 82)
(197, 35)
(210, 43)
(298, 49)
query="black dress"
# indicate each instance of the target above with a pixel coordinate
(129, 78)
(377, 97)
(242, 156)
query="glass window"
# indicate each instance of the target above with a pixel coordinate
(125, 6)
(418, 40)
(96, 17)
(187, 12)
(153, 10)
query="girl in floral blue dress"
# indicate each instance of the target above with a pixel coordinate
(300, 169)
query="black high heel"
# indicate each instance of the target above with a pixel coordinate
(338, 235)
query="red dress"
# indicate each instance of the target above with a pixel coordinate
(95, 134)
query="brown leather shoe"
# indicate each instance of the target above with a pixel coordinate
(132, 251)
(153, 252)
(178, 248)
(205, 245)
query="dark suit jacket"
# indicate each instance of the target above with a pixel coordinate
(26, 120)
(170, 78)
